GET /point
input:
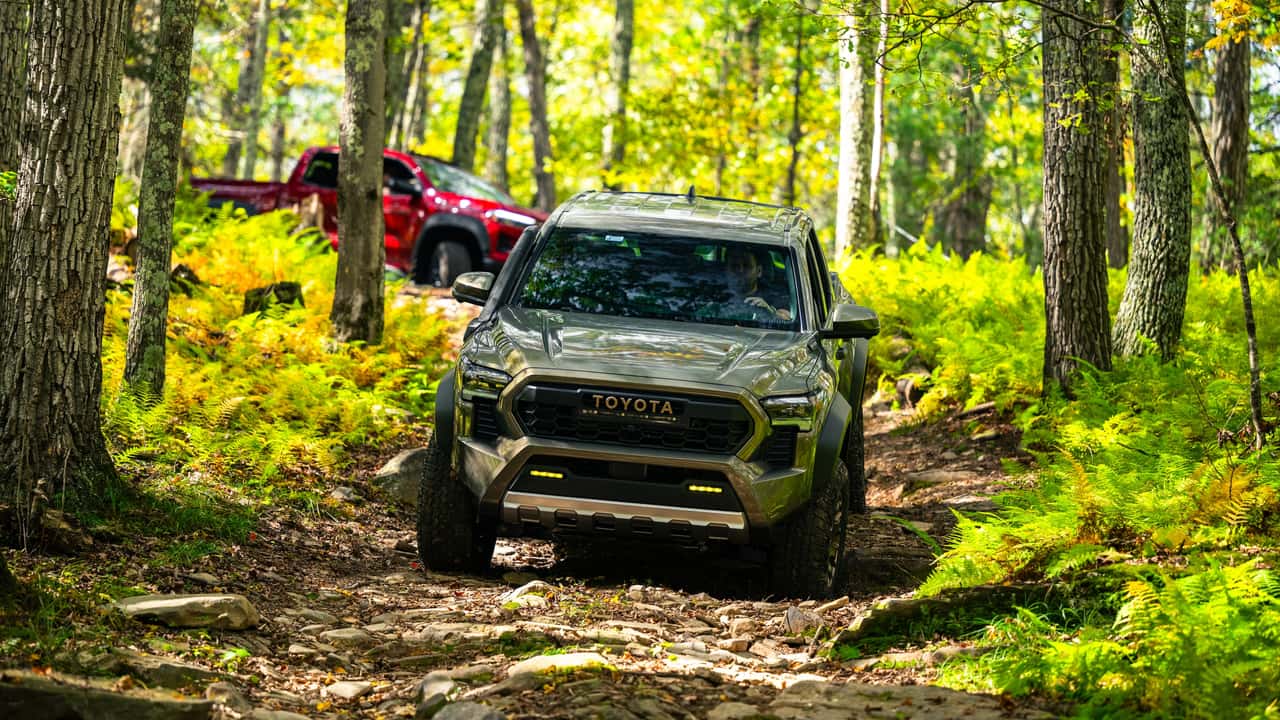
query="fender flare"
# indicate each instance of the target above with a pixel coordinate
(474, 229)
(860, 349)
(831, 440)
(445, 407)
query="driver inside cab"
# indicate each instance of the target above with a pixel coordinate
(744, 271)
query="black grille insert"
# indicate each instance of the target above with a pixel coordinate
(484, 424)
(714, 425)
(779, 450)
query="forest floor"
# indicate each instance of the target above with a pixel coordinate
(352, 626)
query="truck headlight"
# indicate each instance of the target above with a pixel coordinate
(511, 219)
(481, 380)
(795, 410)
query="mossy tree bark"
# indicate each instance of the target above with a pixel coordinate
(52, 282)
(536, 74)
(488, 18)
(614, 139)
(1077, 322)
(13, 86)
(496, 147)
(144, 354)
(357, 312)
(1155, 293)
(1229, 130)
(1117, 233)
(854, 222)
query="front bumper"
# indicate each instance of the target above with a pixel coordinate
(494, 470)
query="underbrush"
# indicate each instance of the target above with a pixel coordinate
(261, 408)
(1144, 479)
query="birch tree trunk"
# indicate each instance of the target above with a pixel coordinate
(488, 17)
(259, 65)
(235, 107)
(410, 70)
(535, 74)
(879, 233)
(357, 312)
(857, 93)
(614, 148)
(499, 114)
(1229, 128)
(52, 282)
(1155, 294)
(171, 69)
(416, 124)
(1077, 322)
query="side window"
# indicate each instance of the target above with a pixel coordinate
(322, 170)
(821, 291)
(815, 248)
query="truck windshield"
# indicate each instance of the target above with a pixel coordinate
(450, 179)
(664, 277)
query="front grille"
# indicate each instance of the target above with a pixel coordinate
(484, 425)
(779, 450)
(710, 425)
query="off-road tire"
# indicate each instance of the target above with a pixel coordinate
(450, 534)
(808, 551)
(447, 261)
(855, 460)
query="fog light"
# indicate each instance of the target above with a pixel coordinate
(706, 489)
(546, 474)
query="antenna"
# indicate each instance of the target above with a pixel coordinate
(690, 196)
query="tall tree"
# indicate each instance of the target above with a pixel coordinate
(488, 18)
(411, 72)
(857, 93)
(1229, 130)
(254, 107)
(235, 107)
(357, 312)
(535, 71)
(398, 50)
(499, 114)
(13, 86)
(415, 122)
(52, 282)
(1117, 234)
(144, 364)
(1155, 293)
(1077, 323)
(961, 223)
(615, 128)
(797, 130)
(879, 232)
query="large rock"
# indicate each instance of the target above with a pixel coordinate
(348, 689)
(224, 612)
(158, 671)
(549, 663)
(348, 638)
(31, 695)
(811, 700)
(399, 478)
(469, 711)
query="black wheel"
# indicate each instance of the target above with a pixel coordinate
(855, 459)
(450, 534)
(809, 549)
(448, 260)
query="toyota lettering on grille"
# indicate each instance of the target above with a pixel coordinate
(640, 407)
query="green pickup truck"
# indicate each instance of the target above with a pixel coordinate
(671, 367)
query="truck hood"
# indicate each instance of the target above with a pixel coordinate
(764, 361)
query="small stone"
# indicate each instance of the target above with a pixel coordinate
(949, 455)
(229, 696)
(204, 578)
(469, 711)
(297, 650)
(265, 714)
(832, 605)
(318, 616)
(377, 628)
(313, 629)
(399, 478)
(532, 587)
(435, 683)
(732, 711)
(567, 661)
(224, 612)
(743, 626)
(342, 493)
(737, 644)
(349, 689)
(798, 620)
(349, 638)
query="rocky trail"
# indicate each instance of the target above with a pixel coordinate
(349, 625)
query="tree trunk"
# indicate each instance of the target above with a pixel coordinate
(1155, 294)
(409, 70)
(397, 54)
(357, 313)
(280, 108)
(615, 128)
(1077, 323)
(961, 223)
(13, 86)
(419, 105)
(797, 131)
(235, 106)
(53, 280)
(488, 17)
(1229, 128)
(135, 111)
(535, 75)
(1117, 234)
(171, 69)
(857, 93)
(499, 115)
(259, 64)
(879, 233)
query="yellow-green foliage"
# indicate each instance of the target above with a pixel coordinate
(265, 396)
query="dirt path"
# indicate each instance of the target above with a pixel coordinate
(671, 634)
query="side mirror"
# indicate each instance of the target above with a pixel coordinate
(473, 287)
(853, 321)
(403, 186)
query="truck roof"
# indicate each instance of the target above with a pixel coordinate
(700, 215)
